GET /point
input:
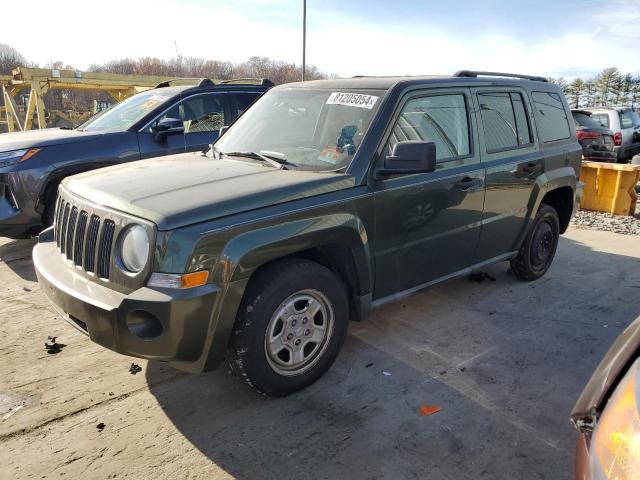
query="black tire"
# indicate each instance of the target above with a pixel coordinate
(271, 288)
(539, 247)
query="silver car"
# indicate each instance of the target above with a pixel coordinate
(625, 124)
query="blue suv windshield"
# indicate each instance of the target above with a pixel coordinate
(124, 114)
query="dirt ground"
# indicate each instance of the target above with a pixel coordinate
(504, 360)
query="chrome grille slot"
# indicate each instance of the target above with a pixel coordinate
(92, 240)
(57, 220)
(71, 230)
(63, 229)
(80, 236)
(104, 254)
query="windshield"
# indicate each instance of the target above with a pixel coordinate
(309, 129)
(124, 114)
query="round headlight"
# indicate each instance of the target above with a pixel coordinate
(135, 248)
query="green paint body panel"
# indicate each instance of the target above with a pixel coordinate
(383, 236)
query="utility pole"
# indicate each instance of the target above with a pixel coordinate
(304, 38)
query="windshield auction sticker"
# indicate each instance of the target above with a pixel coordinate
(352, 100)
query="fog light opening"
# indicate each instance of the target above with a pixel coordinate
(144, 325)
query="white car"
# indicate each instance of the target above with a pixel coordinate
(625, 124)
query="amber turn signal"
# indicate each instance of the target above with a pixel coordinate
(173, 280)
(30, 153)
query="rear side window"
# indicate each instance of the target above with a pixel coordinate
(504, 118)
(602, 119)
(553, 124)
(243, 101)
(441, 119)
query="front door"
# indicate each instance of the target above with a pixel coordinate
(428, 225)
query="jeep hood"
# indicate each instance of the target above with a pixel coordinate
(180, 190)
(43, 138)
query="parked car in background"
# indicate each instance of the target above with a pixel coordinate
(325, 199)
(166, 120)
(596, 140)
(625, 125)
(607, 414)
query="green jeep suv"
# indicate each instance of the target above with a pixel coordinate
(325, 199)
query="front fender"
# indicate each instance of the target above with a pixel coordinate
(245, 253)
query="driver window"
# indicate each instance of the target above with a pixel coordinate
(202, 113)
(441, 119)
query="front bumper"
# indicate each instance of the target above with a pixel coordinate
(183, 319)
(14, 223)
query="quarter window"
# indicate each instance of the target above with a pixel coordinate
(553, 124)
(504, 118)
(441, 119)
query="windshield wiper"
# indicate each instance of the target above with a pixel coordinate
(280, 163)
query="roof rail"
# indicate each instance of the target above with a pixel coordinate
(202, 82)
(265, 82)
(473, 74)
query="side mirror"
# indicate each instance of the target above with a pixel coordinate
(222, 130)
(409, 157)
(166, 127)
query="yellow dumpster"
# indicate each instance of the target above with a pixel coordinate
(609, 187)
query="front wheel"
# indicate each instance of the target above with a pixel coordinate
(290, 327)
(539, 247)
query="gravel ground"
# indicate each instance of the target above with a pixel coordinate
(627, 225)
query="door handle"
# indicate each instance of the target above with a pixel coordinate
(531, 168)
(467, 183)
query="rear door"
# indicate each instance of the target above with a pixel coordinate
(515, 153)
(630, 126)
(428, 224)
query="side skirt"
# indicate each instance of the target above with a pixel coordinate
(460, 273)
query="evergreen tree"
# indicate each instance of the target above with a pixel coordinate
(576, 92)
(607, 85)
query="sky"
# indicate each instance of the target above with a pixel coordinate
(346, 37)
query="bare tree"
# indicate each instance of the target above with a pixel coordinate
(10, 58)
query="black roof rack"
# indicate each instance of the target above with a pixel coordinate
(265, 82)
(202, 82)
(473, 74)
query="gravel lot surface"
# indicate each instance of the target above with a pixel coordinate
(627, 225)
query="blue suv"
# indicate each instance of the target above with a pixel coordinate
(168, 119)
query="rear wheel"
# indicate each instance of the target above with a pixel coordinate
(290, 327)
(539, 247)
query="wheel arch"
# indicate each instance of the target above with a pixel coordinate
(50, 186)
(556, 188)
(339, 242)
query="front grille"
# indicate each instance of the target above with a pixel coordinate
(76, 235)
(86, 235)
